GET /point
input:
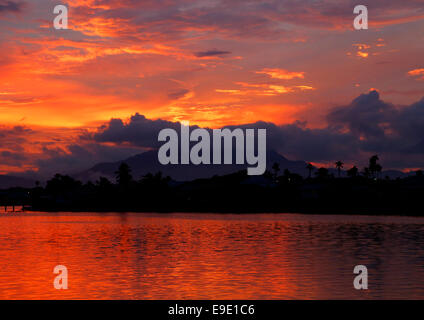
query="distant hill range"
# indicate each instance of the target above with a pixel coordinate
(147, 162)
(7, 181)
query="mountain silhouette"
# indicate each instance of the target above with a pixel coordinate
(9, 181)
(147, 162)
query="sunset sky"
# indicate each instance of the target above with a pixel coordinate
(328, 91)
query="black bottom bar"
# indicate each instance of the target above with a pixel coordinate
(220, 309)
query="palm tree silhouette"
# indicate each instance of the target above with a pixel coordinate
(366, 173)
(322, 173)
(123, 175)
(352, 172)
(378, 169)
(339, 165)
(374, 159)
(310, 167)
(374, 167)
(276, 169)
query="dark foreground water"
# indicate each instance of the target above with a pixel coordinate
(209, 256)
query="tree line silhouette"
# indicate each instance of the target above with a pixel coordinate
(373, 170)
(275, 191)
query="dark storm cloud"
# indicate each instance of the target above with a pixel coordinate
(14, 137)
(383, 127)
(366, 125)
(363, 116)
(158, 21)
(12, 140)
(173, 19)
(10, 6)
(380, 126)
(294, 139)
(210, 53)
(298, 142)
(14, 156)
(139, 131)
(77, 157)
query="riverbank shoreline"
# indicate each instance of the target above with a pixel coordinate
(324, 211)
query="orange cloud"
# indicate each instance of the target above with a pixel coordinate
(282, 74)
(263, 89)
(361, 46)
(362, 54)
(417, 73)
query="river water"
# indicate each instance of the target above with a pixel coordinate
(210, 256)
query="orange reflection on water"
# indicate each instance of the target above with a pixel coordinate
(197, 256)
